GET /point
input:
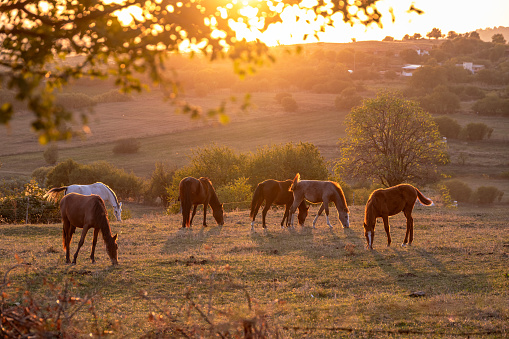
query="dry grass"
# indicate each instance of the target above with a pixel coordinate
(318, 283)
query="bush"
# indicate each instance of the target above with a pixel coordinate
(347, 99)
(441, 100)
(458, 190)
(40, 174)
(289, 104)
(51, 154)
(448, 127)
(477, 131)
(127, 146)
(126, 185)
(16, 208)
(236, 194)
(158, 185)
(282, 162)
(112, 96)
(487, 195)
(491, 105)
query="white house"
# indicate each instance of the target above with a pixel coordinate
(408, 70)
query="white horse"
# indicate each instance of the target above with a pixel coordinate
(98, 188)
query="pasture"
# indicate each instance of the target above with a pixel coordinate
(452, 282)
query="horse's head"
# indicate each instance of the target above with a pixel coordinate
(117, 210)
(344, 217)
(369, 233)
(303, 213)
(112, 250)
(218, 214)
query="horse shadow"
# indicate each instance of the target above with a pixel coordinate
(399, 264)
(190, 238)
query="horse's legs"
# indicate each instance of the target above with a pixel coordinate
(192, 215)
(257, 206)
(387, 229)
(318, 214)
(82, 240)
(67, 235)
(285, 216)
(268, 203)
(205, 207)
(296, 202)
(325, 205)
(409, 236)
(94, 242)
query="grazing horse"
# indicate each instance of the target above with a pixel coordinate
(194, 192)
(316, 191)
(383, 203)
(275, 192)
(98, 188)
(86, 211)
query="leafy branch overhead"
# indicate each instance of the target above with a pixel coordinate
(130, 38)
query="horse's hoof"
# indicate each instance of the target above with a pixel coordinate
(403, 245)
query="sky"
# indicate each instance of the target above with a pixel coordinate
(460, 16)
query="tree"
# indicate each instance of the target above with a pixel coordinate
(388, 38)
(498, 39)
(452, 35)
(475, 35)
(391, 140)
(129, 39)
(435, 33)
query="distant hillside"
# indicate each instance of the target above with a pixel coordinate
(487, 33)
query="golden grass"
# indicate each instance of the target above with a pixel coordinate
(319, 283)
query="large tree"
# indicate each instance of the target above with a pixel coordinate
(124, 39)
(390, 140)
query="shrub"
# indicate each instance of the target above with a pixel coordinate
(448, 127)
(477, 131)
(289, 104)
(487, 195)
(74, 100)
(347, 99)
(113, 96)
(458, 190)
(127, 146)
(51, 154)
(28, 206)
(491, 105)
(282, 162)
(59, 175)
(441, 100)
(159, 182)
(40, 174)
(236, 194)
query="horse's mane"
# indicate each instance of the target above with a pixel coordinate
(341, 194)
(111, 191)
(214, 200)
(100, 215)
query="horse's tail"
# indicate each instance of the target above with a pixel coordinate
(296, 180)
(257, 199)
(423, 199)
(185, 202)
(53, 193)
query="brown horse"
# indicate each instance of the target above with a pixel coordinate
(86, 211)
(316, 191)
(194, 192)
(275, 192)
(383, 203)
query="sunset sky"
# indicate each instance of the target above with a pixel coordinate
(448, 15)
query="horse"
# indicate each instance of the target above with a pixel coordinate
(383, 203)
(86, 211)
(275, 192)
(98, 188)
(316, 191)
(194, 192)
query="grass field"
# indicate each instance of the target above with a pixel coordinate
(299, 283)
